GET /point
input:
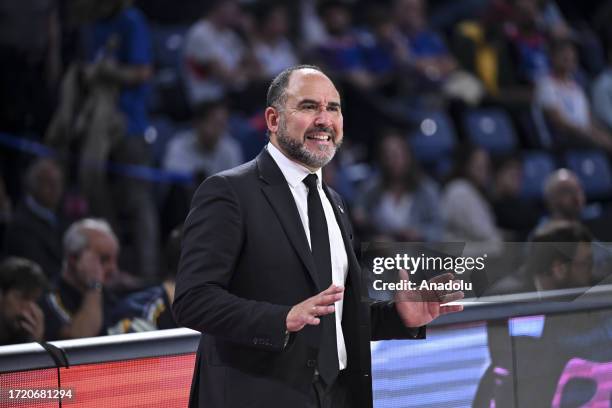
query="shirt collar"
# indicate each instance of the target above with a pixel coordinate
(294, 173)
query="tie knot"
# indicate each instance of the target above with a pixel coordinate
(310, 181)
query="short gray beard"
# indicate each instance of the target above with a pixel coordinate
(298, 152)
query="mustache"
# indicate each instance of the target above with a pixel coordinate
(321, 129)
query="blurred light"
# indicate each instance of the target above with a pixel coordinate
(150, 135)
(429, 127)
(487, 125)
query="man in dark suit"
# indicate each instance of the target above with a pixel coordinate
(269, 275)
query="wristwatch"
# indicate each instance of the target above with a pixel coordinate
(95, 285)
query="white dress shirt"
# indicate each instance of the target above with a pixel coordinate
(294, 174)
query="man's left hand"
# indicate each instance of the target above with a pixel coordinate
(419, 307)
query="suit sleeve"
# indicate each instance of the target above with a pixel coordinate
(212, 243)
(385, 322)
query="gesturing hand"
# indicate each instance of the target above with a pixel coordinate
(420, 306)
(308, 311)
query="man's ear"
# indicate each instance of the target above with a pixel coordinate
(559, 271)
(272, 118)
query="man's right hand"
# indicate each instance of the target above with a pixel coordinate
(90, 268)
(308, 311)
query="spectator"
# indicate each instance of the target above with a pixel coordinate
(80, 305)
(565, 104)
(526, 33)
(201, 152)
(482, 48)
(208, 148)
(602, 91)
(22, 282)
(150, 309)
(514, 215)
(401, 204)
(36, 229)
(216, 59)
(273, 50)
(120, 53)
(431, 60)
(564, 196)
(340, 53)
(467, 213)
(430, 56)
(383, 47)
(560, 256)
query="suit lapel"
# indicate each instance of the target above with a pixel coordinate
(340, 213)
(280, 198)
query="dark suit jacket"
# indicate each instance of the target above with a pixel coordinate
(29, 236)
(245, 262)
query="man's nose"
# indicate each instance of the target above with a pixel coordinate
(323, 118)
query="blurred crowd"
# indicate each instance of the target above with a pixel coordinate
(480, 121)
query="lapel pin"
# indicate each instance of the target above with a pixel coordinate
(341, 209)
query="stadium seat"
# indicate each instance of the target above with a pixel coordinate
(160, 131)
(167, 45)
(492, 129)
(434, 139)
(537, 166)
(593, 169)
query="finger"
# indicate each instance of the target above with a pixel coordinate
(322, 310)
(451, 309)
(332, 289)
(325, 300)
(37, 311)
(452, 297)
(27, 326)
(27, 315)
(313, 321)
(442, 278)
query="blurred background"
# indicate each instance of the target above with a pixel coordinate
(478, 121)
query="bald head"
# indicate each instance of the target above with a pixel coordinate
(564, 195)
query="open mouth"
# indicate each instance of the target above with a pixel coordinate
(319, 137)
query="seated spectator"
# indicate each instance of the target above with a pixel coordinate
(36, 228)
(402, 203)
(428, 51)
(564, 197)
(482, 48)
(215, 56)
(467, 213)
(384, 51)
(203, 151)
(602, 92)
(22, 282)
(528, 37)
(150, 309)
(565, 104)
(559, 257)
(207, 148)
(514, 215)
(80, 305)
(273, 50)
